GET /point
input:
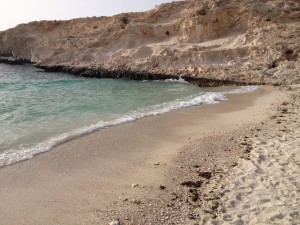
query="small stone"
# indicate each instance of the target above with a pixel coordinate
(206, 175)
(195, 184)
(117, 222)
(191, 216)
(134, 185)
(124, 199)
(136, 201)
(234, 164)
(162, 187)
(214, 204)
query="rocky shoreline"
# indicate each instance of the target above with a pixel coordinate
(141, 75)
(199, 41)
(127, 74)
(13, 61)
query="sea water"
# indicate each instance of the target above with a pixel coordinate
(40, 110)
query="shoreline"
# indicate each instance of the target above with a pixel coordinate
(212, 96)
(75, 182)
(93, 72)
(100, 73)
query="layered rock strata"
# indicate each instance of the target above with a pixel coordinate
(207, 42)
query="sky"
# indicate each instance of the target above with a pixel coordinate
(14, 12)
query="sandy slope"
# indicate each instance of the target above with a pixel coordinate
(265, 188)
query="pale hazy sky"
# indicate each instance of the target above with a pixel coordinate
(14, 12)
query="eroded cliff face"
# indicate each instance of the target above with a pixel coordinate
(238, 40)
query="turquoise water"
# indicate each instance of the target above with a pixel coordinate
(40, 110)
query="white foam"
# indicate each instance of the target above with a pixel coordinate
(180, 80)
(13, 156)
(242, 90)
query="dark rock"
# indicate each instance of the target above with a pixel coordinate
(234, 164)
(195, 184)
(272, 64)
(289, 51)
(14, 61)
(161, 187)
(201, 12)
(138, 75)
(175, 196)
(206, 175)
(206, 82)
(191, 216)
(124, 20)
(194, 196)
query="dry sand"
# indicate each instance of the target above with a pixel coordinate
(89, 180)
(265, 189)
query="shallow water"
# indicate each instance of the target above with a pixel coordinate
(40, 110)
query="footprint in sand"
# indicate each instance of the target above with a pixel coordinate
(271, 179)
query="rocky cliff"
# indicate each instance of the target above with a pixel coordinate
(235, 41)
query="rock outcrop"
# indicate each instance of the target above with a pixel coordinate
(235, 41)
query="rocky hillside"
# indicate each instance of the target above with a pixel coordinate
(234, 41)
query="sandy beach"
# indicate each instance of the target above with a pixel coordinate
(183, 167)
(236, 162)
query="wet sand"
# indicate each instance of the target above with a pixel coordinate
(89, 180)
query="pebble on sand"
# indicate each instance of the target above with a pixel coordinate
(117, 222)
